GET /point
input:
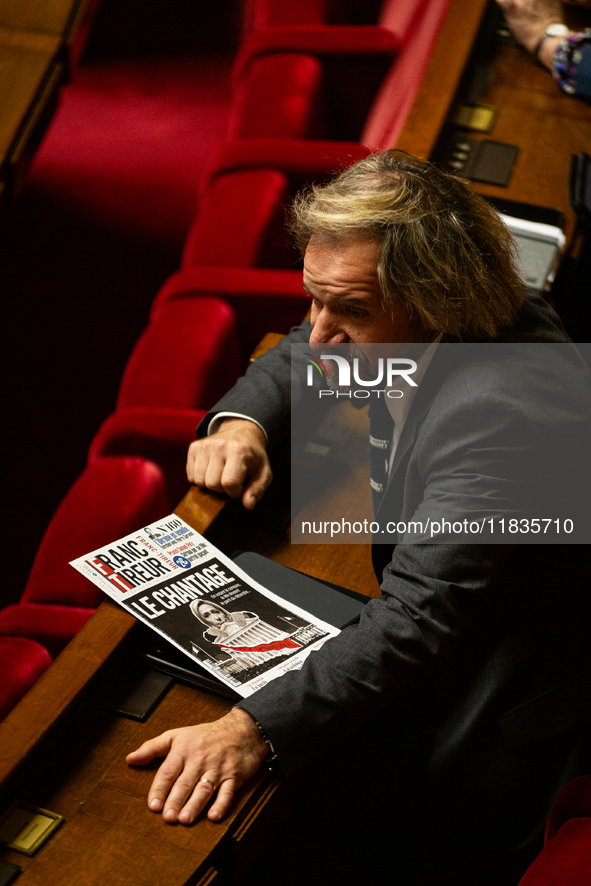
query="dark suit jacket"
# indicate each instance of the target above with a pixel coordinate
(481, 652)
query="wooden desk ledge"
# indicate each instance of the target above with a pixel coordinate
(90, 650)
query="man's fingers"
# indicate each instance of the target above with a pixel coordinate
(204, 790)
(233, 460)
(238, 464)
(198, 458)
(208, 465)
(191, 794)
(223, 800)
(184, 788)
(200, 761)
(243, 473)
(191, 457)
(222, 466)
(149, 750)
(165, 783)
(257, 484)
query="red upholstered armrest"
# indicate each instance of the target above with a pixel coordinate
(283, 95)
(318, 40)
(566, 859)
(160, 434)
(573, 801)
(232, 282)
(186, 358)
(253, 293)
(145, 429)
(124, 429)
(22, 661)
(240, 221)
(51, 625)
(109, 499)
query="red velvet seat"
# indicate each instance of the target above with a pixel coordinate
(292, 86)
(274, 24)
(111, 498)
(356, 109)
(187, 357)
(238, 240)
(301, 160)
(239, 235)
(22, 661)
(241, 218)
(565, 860)
(345, 68)
(263, 299)
(566, 857)
(259, 14)
(265, 13)
(572, 801)
(241, 221)
(161, 435)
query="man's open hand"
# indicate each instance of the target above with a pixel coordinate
(233, 460)
(200, 761)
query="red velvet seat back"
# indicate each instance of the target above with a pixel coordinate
(271, 13)
(241, 221)
(573, 801)
(281, 97)
(111, 498)
(161, 435)
(566, 857)
(187, 357)
(22, 662)
(256, 294)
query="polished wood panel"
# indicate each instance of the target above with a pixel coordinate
(268, 341)
(35, 39)
(26, 61)
(441, 78)
(56, 17)
(546, 124)
(79, 772)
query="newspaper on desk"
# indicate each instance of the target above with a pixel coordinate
(174, 580)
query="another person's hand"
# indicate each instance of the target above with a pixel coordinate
(528, 19)
(233, 460)
(200, 761)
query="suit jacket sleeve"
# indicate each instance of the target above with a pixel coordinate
(441, 599)
(264, 392)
